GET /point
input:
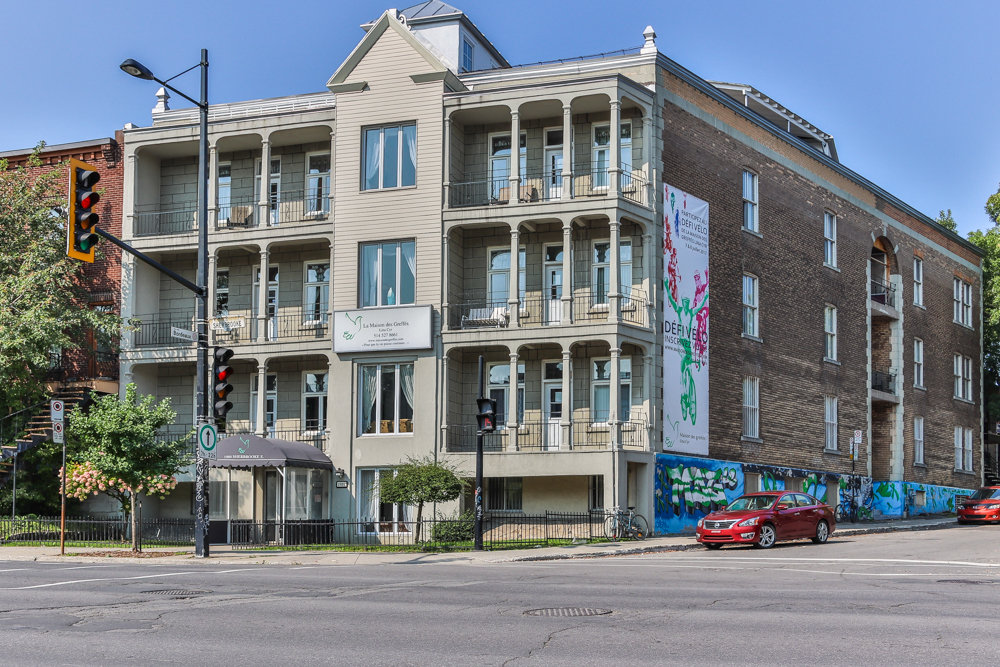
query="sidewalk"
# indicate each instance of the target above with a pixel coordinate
(224, 555)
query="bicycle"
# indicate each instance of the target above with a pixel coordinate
(628, 524)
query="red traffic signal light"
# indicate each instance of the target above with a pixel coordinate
(487, 416)
(81, 237)
(220, 385)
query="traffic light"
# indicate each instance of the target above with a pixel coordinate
(487, 416)
(81, 237)
(221, 372)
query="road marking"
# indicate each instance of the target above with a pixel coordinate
(819, 560)
(751, 569)
(146, 576)
(19, 569)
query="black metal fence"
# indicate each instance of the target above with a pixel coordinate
(883, 293)
(884, 381)
(95, 531)
(155, 221)
(157, 329)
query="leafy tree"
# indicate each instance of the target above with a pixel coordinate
(43, 303)
(419, 481)
(37, 483)
(117, 454)
(945, 219)
(989, 242)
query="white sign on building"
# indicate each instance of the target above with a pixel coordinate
(375, 329)
(685, 323)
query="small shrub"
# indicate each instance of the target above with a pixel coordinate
(456, 528)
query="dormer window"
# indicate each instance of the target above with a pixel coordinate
(468, 56)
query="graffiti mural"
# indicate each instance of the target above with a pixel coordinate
(857, 493)
(688, 488)
(896, 499)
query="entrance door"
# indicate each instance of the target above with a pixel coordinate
(552, 404)
(553, 172)
(272, 505)
(272, 299)
(553, 284)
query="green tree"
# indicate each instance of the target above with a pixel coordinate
(945, 219)
(43, 302)
(420, 481)
(116, 451)
(37, 484)
(989, 242)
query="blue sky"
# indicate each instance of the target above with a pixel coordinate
(908, 89)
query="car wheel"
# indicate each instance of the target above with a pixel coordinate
(712, 545)
(822, 533)
(767, 537)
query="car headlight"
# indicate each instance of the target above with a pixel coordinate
(993, 507)
(701, 521)
(749, 522)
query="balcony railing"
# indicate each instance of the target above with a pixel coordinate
(586, 432)
(593, 306)
(297, 206)
(157, 221)
(482, 311)
(633, 186)
(301, 323)
(883, 293)
(314, 435)
(156, 330)
(238, 213)
(233, 328)
(884, 381)
(540, 185)
(479, 311)
(480, 190)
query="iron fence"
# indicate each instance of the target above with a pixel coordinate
(883, 293)
(233, 327)
(633, 186)
(478, 311)
(156, 330)
(587, 431)
(95, 531)
(480, 190)
(237, 213)
(156, 221)
(884, 381)
(300, 324)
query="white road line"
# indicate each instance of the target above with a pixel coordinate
(146, 576)
(817, 560)
(841, 573)
(18, 569)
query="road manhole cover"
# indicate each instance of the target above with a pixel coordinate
(964, 581)
(567, 611)
(175, 592)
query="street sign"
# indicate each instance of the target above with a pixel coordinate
(57, 433)
(854, 448)
(56, 406)
(857, 435)
(208, 438)
(183, 334)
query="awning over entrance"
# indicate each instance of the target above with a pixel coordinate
(253, 451)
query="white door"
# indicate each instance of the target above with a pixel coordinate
(273, 188)
(553, 284)
(553, 172)
(553, 415)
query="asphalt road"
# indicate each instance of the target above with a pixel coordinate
(930, 597)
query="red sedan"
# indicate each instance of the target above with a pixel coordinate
(762, 519)
(983, 505)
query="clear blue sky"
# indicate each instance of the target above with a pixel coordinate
(908, 89)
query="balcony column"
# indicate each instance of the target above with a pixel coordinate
(445, 402)
(447, 161)
(567, 170)
(567, 294)
(649, 282)
(614, 288)
(262, 289)
(213, 187)
(513, 282)
(647, 395)
(614, 163)
(131, 203)
(264, 216)
(446, 281)
(567, 404)
(261, 426)
(329, 300)
(513, 409)
(616, 400)
(328, 431)
(211, 311)
(515, 158)
(333, 183)
(647, 156)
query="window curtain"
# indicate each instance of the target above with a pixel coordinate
(369, 382)
(369, 276)
(406, 382)
(409, 155)
(368, 507)
(372, 145)
(408, 283)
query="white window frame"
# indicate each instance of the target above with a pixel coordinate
(220, 186)
(963, 449)
(599, 183)
(220, 291)
(918, 363)
(625, 270)
(522, 153)
(830, 332)
(272, 178)
(918, 281)
(625, 388)
(324, 315)
(522, 274)
(962, 295)
(829, 239)
(751, 311)
(381, 157)
(398, 392)
(963, 377)
(918, 440)
(324, 406)
(751, 201)
(399, 512)
(307, 189)
(378, 273)
(751, 407)
(270, 393)
(468, 55)
(504, 419)
(830, 422)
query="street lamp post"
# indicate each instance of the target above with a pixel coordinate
(137, 70)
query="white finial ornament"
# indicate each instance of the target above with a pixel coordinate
(162, 101)
(650, 35)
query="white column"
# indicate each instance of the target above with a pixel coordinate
(261, 425)
(616, 390)
(647, 395)
(567, 404)
(614, 288)
(649, 279)
(515, 157)
(647, 156)
(614, 164)
(131, 199)
(329, 301)
(445, 281)
(447, 161)
(567, 295)
(567, 170)
(327, 436)
(444, 412)
(513, 292)
(262, 289)
(264, 214)
(512, 405)
(213, 186)
(333, 185)
(212, 270)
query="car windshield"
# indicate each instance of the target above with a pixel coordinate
(752, 503)
(985, 494)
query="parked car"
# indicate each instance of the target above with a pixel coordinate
(762, 519)
(983, 505)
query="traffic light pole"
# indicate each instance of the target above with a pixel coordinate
(478, 528)
(204, 403)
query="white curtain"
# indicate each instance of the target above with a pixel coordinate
(369, 382)
(369, 275)
(406, 382)
(371, 158)
(409, 251)
(368, 508)
(410, 144)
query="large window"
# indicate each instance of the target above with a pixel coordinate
(225, 190)
(918, 440)
(317, 291)
(222, 292)
(318, 183)
(376, 516)
(499, 391)
(308, 494)
(602, 152)
(963, 377)
(830, 422)
(468, 56)
(918, 281)
(918, 362)
(830, 333)
(963, 448)
(829, 239)
(388, 274)
(503, 494)
(386, 399)
(751, 407)
(499, 276)
(314, 402)
(963, 302)
(601, 390)
(595, 493)
(750, 305)
(601, 270)
(390, 157)
(750, 201)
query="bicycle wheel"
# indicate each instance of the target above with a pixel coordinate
(611, 527)
(638, 527)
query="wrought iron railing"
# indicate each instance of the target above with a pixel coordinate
(594, 305)
(480, 190)
(95, 531)
(884, 381)
(479, 311)
(238, 213)
(157, 329)
(883, 293)
(587, 430)
(156, 220)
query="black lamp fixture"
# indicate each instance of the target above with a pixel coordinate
(137, 70)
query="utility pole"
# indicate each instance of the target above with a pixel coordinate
(478, 535)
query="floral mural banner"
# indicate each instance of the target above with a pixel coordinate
(685, 323)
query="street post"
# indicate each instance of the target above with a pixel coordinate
(478, 535)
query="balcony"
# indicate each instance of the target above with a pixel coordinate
(156, 329)
(285, 207)
(547, 436)
(536, 186)
(481, 311)
(290, 324)
(883, 299)
(884, 387)
(162, 221)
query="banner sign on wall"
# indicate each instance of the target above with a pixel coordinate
(374, 329)
(685, 323)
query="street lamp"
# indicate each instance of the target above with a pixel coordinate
(140, 71)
